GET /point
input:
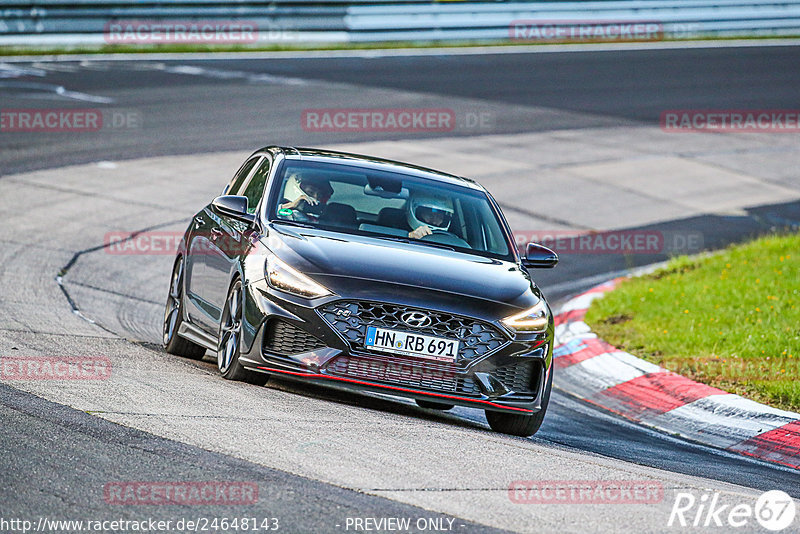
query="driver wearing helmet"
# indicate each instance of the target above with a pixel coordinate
(309, 192)
(427, 213)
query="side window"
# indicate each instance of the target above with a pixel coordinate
(255, 187)
(241, 176)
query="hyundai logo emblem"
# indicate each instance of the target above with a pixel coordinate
(416, 319)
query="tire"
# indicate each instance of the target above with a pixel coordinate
(173, 317)
(431, 405)
(520, 425)
(230, 338)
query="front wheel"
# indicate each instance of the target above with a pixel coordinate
(520, 425)
(173, 317)
(230, 338)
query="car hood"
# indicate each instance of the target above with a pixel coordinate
(333, 258)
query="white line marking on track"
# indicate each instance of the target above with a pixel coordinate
(16, 71)
(417, 52)
(221, 74)
(58, 90)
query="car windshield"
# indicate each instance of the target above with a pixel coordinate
(389, 205)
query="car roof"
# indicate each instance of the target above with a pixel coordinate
(332, 156)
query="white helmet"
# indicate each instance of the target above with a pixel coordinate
(292, 191)
(427, 209)
(300, 182)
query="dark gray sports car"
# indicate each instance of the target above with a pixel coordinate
(369, 275)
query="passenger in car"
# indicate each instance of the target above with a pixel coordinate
(309, 192)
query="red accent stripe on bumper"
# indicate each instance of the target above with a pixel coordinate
(394, 388)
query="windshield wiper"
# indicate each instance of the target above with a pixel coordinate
(414, 241)
(293, 223)
(406, 240)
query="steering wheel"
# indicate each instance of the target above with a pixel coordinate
(445, 238)
(299, 216)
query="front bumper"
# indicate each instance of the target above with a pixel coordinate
(496, 370)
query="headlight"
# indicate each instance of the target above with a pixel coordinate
(531, 320)
(283, 277)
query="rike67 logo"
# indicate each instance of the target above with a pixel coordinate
(774, 510)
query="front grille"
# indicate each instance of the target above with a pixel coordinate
(519, 377)
(351, 319)
(402, 373)
(283, 338)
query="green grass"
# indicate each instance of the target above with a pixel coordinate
(212, 48)
(209, 48)
(731, 319)
(13, 50)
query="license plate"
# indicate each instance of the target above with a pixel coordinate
(408, 344)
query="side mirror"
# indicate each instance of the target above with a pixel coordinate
(539, 257)
(233, 206)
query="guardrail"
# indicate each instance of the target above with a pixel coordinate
(58, 22)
